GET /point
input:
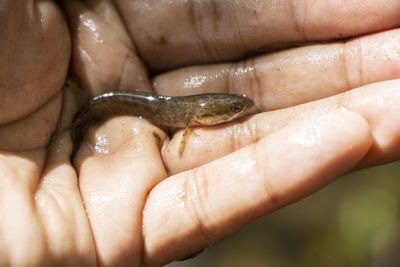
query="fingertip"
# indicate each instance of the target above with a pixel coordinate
(308, 155)
(344, 129)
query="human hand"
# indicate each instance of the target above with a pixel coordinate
(134, 205)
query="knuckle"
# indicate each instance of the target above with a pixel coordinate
(197, 203)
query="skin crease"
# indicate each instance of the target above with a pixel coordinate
(335, 107)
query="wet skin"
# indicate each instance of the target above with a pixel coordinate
(177, 111)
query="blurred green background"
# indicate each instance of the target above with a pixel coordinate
(354, 221)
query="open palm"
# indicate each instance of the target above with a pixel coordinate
(128, 198)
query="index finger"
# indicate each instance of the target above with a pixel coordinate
(193, 209)
(177, 33)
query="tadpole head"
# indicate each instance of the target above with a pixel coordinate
(220, 108)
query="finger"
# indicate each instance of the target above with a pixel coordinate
(378, 103)
(117, 169)
(19, 226)
(193, 209)
(34, 56)
(61, 211)
(103, 56)
(294, 76)
(177, 33)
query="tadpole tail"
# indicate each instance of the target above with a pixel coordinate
(111, 104)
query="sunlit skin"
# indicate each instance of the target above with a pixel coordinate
(127, 199)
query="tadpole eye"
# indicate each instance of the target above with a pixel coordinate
(236, 107)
